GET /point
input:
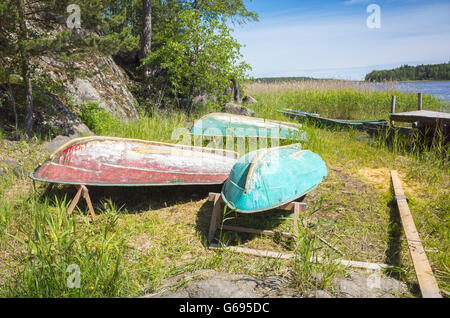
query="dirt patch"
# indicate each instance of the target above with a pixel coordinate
(378, 178)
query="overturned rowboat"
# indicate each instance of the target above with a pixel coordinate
(331, 122)
(108, 161)
(221, 124)
(270, 178)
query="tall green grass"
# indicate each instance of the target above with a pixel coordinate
(61, 257)
(336, 100)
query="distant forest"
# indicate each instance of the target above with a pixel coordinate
(282, 79)
(434, 72)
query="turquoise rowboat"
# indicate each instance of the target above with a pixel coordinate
(221, 124)
(269, 178)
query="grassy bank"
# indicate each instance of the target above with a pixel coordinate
(144, 236)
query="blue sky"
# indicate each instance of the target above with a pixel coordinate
(330, 38)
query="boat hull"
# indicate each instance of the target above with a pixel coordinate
(330, 122)
(106, 161)
(270, 178)
(221, 124)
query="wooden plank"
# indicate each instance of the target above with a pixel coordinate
(292, 206)
(256, 231)
(86, 196)
(75, 201)
(427, 281)
(261, 253)
(424, 116)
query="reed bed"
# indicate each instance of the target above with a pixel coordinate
(336, 99)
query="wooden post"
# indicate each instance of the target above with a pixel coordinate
(394, 99)
(216, 215)
(86, 196)
(74, 201)
(420, 101)
(297, 208)
(427, 281)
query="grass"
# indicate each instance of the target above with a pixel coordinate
(335, 99)
(144, 236)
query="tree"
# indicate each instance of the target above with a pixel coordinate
(28, 32)
(199, 56)
(411, 73)
(146, 39)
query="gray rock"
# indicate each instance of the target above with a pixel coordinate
(237, 92)
(13, 166)
(201, 99)
(250, 100)
(319, 294)
(211, 284)
(57, 142)
(9, 162)
(218, 287)
(19, 171)
(58, 116)
(369, 285)
(239, 110)
(106, 83)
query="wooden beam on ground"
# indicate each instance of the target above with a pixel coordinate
(427, 282)
(261, 253)
(255, 231)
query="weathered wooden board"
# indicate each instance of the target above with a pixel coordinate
(261, 253)
(424, 116)
(427, 281)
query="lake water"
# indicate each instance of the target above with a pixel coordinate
(438, 89)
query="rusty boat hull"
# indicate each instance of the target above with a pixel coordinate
(108, 161)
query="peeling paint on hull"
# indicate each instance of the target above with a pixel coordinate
(107, 161)
(269, 178)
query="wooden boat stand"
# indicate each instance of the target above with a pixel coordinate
(296, 207)
(217, 217)
(82, 191)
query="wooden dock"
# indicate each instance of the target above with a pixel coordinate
(431, 124)
(424, 116)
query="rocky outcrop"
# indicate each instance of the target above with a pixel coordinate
(95, 79)
(212, 284)
(239, 110)
(92, 77)
(51, 116)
